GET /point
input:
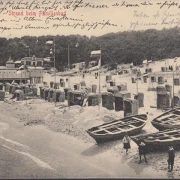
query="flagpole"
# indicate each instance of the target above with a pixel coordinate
(68, 65)
(25, 82)
(99, 80)
(55, 69)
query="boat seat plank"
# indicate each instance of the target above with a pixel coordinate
(166, 116)
(178, 110)
(131, 125)
(101, 130)
(115, 123)
(174, 119)
(138, 119)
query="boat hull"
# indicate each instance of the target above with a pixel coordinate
(102, 138)
(105, 138)
(162, 140)
(160, 123)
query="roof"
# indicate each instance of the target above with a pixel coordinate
(35, 68)
(33, 58)
(78, 63)
(92, 61)
(77, 92)
(145, 61)
(106, 93)
(92, 95)
(16, 62)
(130, 100)
(6, 68)
(3, 67)
(9, 62)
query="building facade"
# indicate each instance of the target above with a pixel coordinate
(32, 61)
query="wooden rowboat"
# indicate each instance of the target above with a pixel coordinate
(160, 140)
(117, 129)
(167, 120)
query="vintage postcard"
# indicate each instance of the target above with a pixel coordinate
(89, 89)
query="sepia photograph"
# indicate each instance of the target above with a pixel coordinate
(89, 89)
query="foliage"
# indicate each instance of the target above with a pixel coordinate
(121, 47)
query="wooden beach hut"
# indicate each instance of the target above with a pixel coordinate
(160, 80)
(113, 89)
(163, 98)
(41, 89)
(107, 100)
(2, 95)
(108, 78)
(122, 87)
(56, 95)
(50, 95)
(176, 81)
(51, 84)
(130, 107)
(93, 99)
(46, 92)
(19, 95)
(94, 88)
(140, 98)
(75, 97)
(1, 86)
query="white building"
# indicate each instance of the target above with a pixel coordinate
(10, 72)
(32, 61)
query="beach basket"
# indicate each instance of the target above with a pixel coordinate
(94, 88)
(93, 99)
(56, 95)
(50, 95)
(176, 81)
(107, 100)
(62, 97)
(140, 97)
(1, 86)
(51, 84)
(2, 95)
(130, 107)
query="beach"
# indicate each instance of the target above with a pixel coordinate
(53, 136)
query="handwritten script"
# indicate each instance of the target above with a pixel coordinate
(87, 16)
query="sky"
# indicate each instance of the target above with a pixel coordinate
(130, 15)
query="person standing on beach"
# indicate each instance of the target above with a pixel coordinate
(142, 150)
(171, 156)
(126, 142)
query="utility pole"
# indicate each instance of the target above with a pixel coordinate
(99, 80)
(68, 65)
(55, 69)
(173, 91)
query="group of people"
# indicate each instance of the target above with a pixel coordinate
(143, 150)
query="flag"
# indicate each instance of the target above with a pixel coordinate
(175, 59)
(77, 45)
(96, 53)
(145, 61)
(51, 51)
(49, 42)
(24, 44)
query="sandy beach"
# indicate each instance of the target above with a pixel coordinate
(64, 155)
(53, 137)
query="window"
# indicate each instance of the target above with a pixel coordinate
(28, 63)
(39, 63)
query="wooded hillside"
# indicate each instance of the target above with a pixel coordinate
(122, 47)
